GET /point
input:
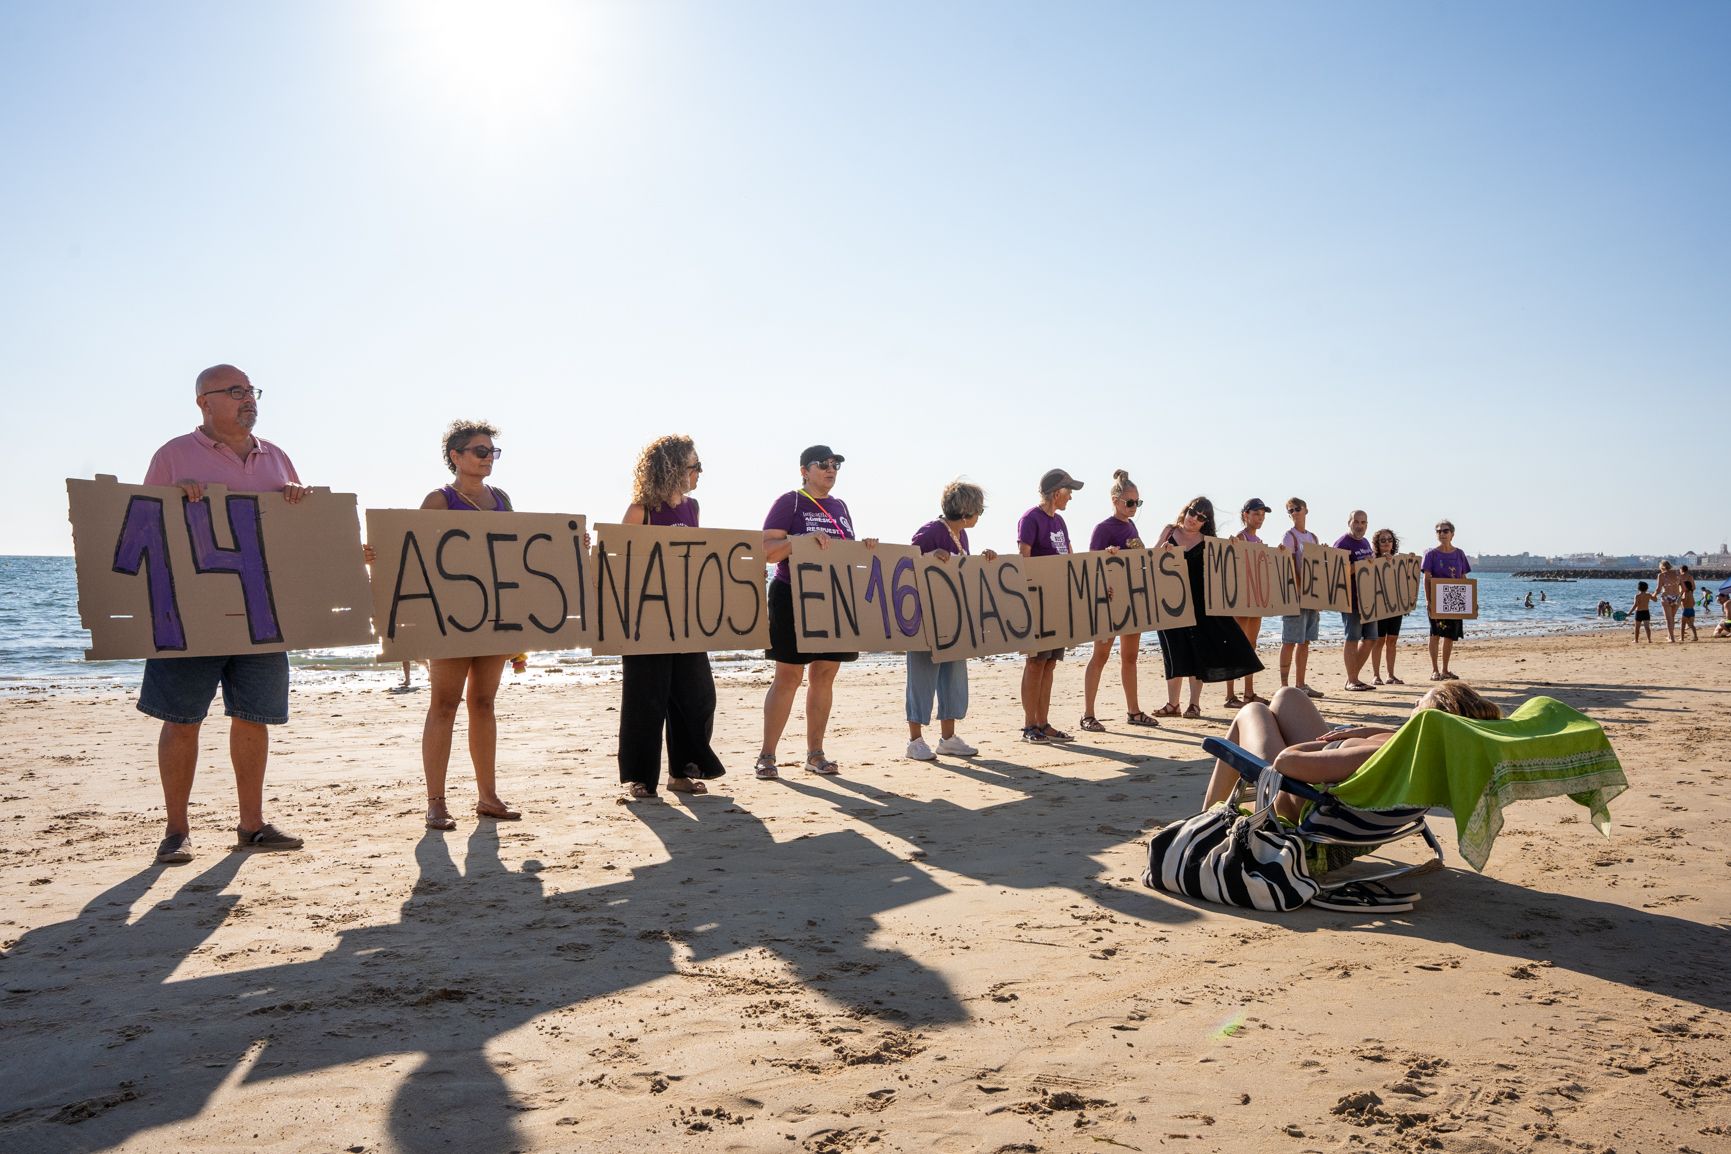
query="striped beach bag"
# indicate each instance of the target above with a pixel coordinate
(1233, 858)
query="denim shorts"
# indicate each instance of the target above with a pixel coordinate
(1357, 630)
(180, 689)
(1300, 627)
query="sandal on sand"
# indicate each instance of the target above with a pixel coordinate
(686, 785)
(1309, 692)
(1377, 680)
(445, 823)
(1438, 677)
(1168, 710)
(1055, 734)
(818, 763)
(1142, 719)
(1357, 687)
(765, 767)
(1447, 676)
(1091, 723)
(1364, 897)
(636, 791)
(1192, 711)
(1034, 734)
(1253, 699)
(1233, 702)
(503, 813)
(1391, 679)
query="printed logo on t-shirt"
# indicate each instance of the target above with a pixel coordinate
(817, 522)
(1060, 541)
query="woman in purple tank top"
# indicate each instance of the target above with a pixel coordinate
(666, 692)
(469, 454)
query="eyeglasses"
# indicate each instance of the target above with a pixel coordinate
(483, 452)
(1132, 502)
(694, 467)
(1444, 532)
(829, 463)
(1196, 513)
(238, 392)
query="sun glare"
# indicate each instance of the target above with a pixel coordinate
(500, 61)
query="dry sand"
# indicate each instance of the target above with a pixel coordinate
(949, 957)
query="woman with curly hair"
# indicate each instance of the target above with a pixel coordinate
(469, 454)
(1215, 648)
(666, 692)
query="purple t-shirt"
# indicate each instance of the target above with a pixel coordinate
(1446, 565)
(683, 514)
(1115, 534)
(1044, 533)
(797, 513)
(935, 535)
(1361, 547)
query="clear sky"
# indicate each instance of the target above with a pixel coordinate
(1429, 259)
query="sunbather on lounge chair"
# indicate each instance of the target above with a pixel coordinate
(1291, 734)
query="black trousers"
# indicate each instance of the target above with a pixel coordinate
(671, 692)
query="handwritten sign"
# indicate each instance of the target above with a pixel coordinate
(1325, 578)
(162, 576)
(450, 583)
(1247, 579)
(677, 590)
(1387, 586)
(1452, 598)
(848, 597)
(974, 607)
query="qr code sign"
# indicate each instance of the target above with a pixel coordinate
(1454, 599)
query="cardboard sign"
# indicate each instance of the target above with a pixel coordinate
(1387, 586)
(1325, 578)
(456, 583)
(974, 607)
(162, 576)
(676, 590)
(1452, 598)
(851, 598)
(1247, 579)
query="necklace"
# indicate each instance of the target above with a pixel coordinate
(470, 501)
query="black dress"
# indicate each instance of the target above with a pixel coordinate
(1215, 648)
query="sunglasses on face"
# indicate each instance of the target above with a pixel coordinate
(1444, 532)
(483, 452)
(1196, 513)
(831, 464)
(238, 392)
(1132, 502)
(694, 467)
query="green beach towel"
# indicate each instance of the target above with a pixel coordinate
(1475, 768)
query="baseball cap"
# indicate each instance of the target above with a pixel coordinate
(1056, 479)
(819, 453)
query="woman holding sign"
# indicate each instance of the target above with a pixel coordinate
(1254, 513)
(1445, 561)
(1042, 533)
(469, 454)
(674, 692)
(1387, 629)
(809, 509)
(1113, 534)
(1215, 648)
(960, 508)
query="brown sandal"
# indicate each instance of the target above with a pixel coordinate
(1091, 723)
(1167, 710)
(686, 785)
(1142, 719)
(1192, 711)
(503, 813)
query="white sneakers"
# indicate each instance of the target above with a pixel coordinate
(918, 750)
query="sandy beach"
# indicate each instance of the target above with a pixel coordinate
(923, 957)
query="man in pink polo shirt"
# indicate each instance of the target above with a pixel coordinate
(179, 690)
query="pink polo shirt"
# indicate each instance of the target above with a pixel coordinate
(195, 457)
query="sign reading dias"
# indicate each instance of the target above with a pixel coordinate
(1248, 579)
(1325, 579)
(450, 583)
(162, 576)
(848, 597)
(678, 590)
(1387, 586)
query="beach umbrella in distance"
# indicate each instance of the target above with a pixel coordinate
(1725, 585)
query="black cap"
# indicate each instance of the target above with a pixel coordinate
(819, 453)
(1254, 504)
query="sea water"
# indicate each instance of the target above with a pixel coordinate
(42, 644)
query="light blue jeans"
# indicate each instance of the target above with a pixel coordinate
(948, 678)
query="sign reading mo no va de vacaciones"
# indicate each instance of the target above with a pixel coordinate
(162, 576)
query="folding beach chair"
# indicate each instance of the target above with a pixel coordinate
(1439, 760)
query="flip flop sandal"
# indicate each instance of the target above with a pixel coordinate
(1168, 711)
(1358, 897)
(1252, 699)
(1377, 681)
(1393, 680)
(818, 763)
(1357, 687)
(765, 768)
(1447, 676)
(1142, 719)
(1438, 677)
(1192, 711)
(1091, 723)
(504, 813)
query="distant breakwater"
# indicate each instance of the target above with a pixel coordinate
(1615, 574)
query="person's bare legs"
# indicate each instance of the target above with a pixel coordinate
(1670, 620)
(819, 695)
(445, 679)
(484, 674)
(1043, 693)
(1129, 647)
(248, 749)
(1289, 718)
(1037, 692)
(1286, 650)
(1448, 647)
(1300, 660)
(778, 704)
(1091, 676)
(176, 764)
(1252, 627)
